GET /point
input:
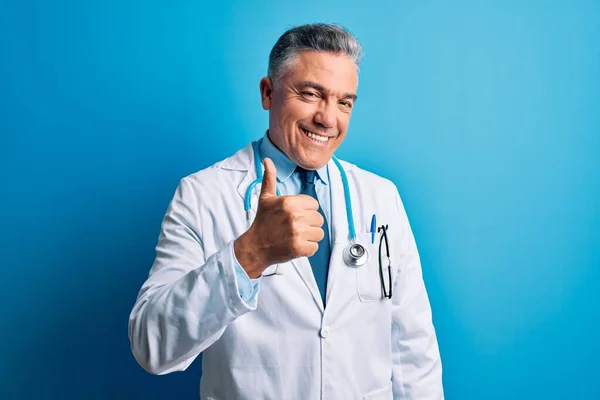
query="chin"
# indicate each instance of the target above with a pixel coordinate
(312, 164)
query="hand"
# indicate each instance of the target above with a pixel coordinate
(285, 228)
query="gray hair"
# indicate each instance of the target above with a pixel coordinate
(328, 38)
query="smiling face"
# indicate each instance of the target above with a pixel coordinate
(310, 107)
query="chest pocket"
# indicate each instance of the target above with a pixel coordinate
(368, 280)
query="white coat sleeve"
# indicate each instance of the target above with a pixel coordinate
(417, 367)
(187, 301)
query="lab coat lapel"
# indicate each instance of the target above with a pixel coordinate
(243, 160)
(249, 177)
(304, 269)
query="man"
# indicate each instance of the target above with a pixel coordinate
(270, 301)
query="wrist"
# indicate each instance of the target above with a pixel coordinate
(247, 257)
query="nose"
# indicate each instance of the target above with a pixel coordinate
(325, 115)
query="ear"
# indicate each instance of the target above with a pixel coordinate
(266, 92)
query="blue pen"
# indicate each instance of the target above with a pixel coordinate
(373, 225)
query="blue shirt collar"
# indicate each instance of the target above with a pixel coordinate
(285, 166)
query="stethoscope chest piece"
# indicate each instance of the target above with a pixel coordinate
(355, 254)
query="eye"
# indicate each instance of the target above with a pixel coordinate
(346, 104)
(309, 94)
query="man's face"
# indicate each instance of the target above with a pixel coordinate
(310, 107)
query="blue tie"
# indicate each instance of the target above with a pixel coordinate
(320, 260)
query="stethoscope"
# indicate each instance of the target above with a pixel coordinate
(355, 254)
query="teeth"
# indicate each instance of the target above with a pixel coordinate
(314, 136)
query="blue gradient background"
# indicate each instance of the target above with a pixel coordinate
(485, 114)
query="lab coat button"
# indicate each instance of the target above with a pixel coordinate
(325, 332)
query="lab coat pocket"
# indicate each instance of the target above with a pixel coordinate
(380, 394)
(368, 281)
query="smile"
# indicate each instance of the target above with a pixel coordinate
(314, 136)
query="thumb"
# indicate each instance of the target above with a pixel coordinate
(269, 183)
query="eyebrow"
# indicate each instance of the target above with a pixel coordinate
(322, 89)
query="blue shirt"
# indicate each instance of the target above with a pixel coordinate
(289, 183)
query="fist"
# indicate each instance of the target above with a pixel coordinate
(285, 228)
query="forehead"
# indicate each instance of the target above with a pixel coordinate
(336, 73)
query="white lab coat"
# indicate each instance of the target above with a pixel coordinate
(283, 344)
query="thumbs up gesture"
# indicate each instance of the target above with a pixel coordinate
(285, 228)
